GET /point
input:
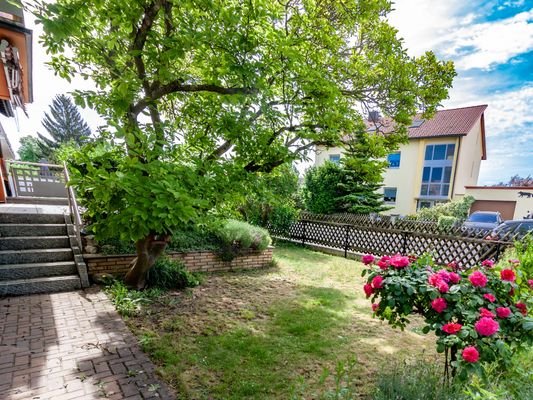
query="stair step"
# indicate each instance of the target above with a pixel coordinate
(23, 218)
(40, 285)
(37, 270)
(35, 256)
(16, 230)
(34, 242)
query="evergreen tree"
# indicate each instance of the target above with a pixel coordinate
(64, 124)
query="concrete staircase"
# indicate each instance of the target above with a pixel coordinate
(37, 255)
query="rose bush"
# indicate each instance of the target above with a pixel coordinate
(480, 314)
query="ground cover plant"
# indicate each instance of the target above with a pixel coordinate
(300, 330)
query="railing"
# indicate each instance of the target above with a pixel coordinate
(73, 206)
(41, 180)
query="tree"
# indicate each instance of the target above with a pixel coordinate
(29, 149)
(321, 188)
(64, 124)
(517, 180)
(202, 93)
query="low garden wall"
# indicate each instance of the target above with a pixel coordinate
(194, 261)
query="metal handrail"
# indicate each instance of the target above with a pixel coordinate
(73, 205)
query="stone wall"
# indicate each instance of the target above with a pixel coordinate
(195, 261)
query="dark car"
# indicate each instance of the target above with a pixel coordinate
(512, 230)
(483, 220)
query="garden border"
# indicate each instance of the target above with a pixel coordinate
(194, 261)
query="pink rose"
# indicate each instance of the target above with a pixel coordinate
(443, 287)
(483, 312)
(439, 304)
(368, 259)
(503, 312)
(399, 261)
(434, 279)
(375, 307)
(486, 326)
(377, 282)
(530, 283)
(478, 278)
(489, 297)
(454, 278)
(453, 266)
(522, 307)
(384, 262)
(368, 290)
(507, 275)
(445, 275)
(488, 263)
(470, 354)
(452, 328)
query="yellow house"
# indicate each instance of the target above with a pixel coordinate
(442, 157)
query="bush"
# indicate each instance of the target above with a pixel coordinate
(282, 218)
(457, 208)
(237, 235)
(171, 274)
(445, 222)
(477, 315)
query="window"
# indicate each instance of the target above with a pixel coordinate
(335, 158)
(437, 172)
(394, 160)
(389, 195)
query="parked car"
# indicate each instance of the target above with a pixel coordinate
(512, 230)
(483, 220)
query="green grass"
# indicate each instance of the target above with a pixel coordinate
(288, 332)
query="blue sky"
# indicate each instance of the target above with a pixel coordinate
(491, 44)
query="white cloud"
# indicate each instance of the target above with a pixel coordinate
(490, 43)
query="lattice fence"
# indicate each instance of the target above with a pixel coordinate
(388, 235)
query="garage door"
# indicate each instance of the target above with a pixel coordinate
(506, 208)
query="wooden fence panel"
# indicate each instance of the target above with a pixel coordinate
(386, 235)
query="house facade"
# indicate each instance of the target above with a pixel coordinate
(442, 157)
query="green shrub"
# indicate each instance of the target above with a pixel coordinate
(282, 217)
(237, 235)
(127, 302)
(456, 208)
(420, 380)
(171, 274)
(445, 222)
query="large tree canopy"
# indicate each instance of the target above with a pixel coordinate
(202, 90)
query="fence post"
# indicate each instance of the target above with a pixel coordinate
(404, 242)
(346, 235)
(304, 223)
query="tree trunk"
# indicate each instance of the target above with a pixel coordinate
(148, 251)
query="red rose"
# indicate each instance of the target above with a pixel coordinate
(522, 307)
(488, 263)
(507, 275)
(399, 261)
(384, 262)
(443, 287)
(478, 278)
(439, 304)
(503, 312)
(483, 312)
(489, 297)
(454, 278)
(486, 326)
(434, 279)
(368, 259)
(453, 266)
(470, 354)
(375, 306)
(452, 328)
(368, 290)
(377, 282)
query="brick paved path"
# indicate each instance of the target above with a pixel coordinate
(71, 346)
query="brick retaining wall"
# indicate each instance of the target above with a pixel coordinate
(195, 261)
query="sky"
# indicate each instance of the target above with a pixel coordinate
(490, 42)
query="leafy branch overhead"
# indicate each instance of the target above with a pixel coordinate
(202, 93)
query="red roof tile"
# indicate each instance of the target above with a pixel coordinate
(452, 122)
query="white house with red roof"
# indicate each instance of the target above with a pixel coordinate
(443, 156)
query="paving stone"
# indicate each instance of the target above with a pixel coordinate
(75, 347)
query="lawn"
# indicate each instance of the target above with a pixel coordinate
(300, 330)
